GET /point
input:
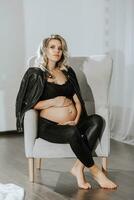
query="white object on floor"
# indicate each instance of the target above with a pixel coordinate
(11, 192)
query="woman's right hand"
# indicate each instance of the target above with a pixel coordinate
(62, 101)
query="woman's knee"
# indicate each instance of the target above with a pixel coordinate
(72, 131)
(98, 120)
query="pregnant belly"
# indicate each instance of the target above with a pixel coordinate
(60, 114)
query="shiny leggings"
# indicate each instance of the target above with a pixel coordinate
(81, 137)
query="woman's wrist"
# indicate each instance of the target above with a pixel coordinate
(76, 121)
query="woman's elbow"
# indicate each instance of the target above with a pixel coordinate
(36, 106)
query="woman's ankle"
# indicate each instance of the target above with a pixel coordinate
(78, 168)
(94, 170)
(78, 165)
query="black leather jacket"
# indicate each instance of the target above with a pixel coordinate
(31, 88)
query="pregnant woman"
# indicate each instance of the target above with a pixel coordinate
(52, 88)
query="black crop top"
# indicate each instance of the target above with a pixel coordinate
(52, 90)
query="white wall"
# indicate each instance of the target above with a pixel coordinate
(81, 22)
(11, 59)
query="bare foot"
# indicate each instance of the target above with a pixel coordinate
(100, 177)
(78, 173)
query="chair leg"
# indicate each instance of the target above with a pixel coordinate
(38, 163)
(31, 169)
(104, 164)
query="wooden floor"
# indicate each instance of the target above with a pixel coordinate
(54, 182)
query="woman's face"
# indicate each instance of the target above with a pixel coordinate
(54, 50)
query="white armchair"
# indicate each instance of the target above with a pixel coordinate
(93, 73)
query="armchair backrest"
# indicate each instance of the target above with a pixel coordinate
(94, 75)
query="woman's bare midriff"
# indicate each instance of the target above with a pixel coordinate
(60, 114)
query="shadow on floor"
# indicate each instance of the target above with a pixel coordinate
(67, 186)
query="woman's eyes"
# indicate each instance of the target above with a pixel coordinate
(52, 47)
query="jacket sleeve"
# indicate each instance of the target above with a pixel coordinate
(21, 93)
(73, 74)
(27, 95)
(28, 92)
(78, 90)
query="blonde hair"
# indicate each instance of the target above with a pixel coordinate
(42, 57)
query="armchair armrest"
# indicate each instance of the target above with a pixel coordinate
(104, 143)
(30, 131)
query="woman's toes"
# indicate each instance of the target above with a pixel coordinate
(88, 185)
(110, 185)
(85, 186)
(104, 182)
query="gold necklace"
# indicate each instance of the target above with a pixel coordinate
(50, 75)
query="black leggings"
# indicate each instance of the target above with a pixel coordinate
(81, 137)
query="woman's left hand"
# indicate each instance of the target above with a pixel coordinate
(72, 123)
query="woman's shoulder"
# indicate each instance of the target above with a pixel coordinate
(71, 70)
(68, 70)
(33, 70)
